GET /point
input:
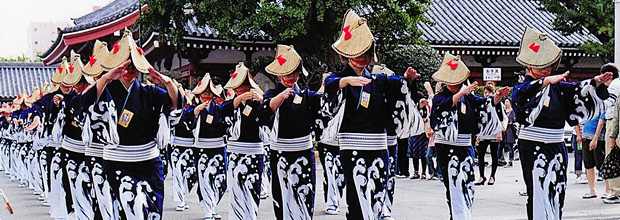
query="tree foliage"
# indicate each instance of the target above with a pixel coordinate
(586, 16)
(421, 57)
(310, 25)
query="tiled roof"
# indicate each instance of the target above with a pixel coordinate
(209, 32)
(491, 23)
(16, 77)
(109, 13)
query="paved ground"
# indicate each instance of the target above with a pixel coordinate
(415, 199)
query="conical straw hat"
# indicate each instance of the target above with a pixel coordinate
(287, 60)
(20, 98)
(230, 94)
(93, 67)
(36, 95)
(355, 38)
(53, 88)
(452, 70)
(239, 76)
(74, 71)
(381, 69)
(537, 50)
(61, 71)
(120, 52)
(205, 83)
(137, 57)
(45, 89)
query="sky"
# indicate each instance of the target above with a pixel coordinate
(16, 15)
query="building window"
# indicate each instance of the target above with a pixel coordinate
(35, 29)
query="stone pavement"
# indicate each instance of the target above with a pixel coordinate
(414, 199)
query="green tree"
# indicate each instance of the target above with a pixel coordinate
(20, 58)
(310, 25)
(421, 57)
(577, 16)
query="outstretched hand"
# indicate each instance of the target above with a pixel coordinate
(157, 77)
(557, 78)
(604, 78)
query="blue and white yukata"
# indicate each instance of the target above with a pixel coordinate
(45, 109)
(209, 129)
(405, 120)
(96, 132)
(362, 138)
(131, 159)
(4, 158)
(182, 161)
(59, 196)
(292, 152)
(454, 126)
(77, 173)
(544, 112)
(245, 159)
(329, 155)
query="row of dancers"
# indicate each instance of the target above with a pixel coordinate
(97, 143)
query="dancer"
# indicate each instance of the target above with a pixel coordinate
(245, 147)
(455, 116)
(295, 111)
(543, 104)
(361, 118)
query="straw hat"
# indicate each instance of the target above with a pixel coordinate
(537, 50)
(61, 71)
(239, 76)
(74, 71)
(20, 98)
(4, 108)
(381, 69)
(287, 60)
(205, 83)
(93, 67)
(190, 97)
(120, 52)
(452, 71)
(32, 98)
(322, 89)
(53, 88)
(230, 94)
(355, 38)
(45, 88)
(137, 56)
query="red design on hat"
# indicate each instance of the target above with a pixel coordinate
(227, 93)
(199, 83)
(250, 75)
(54, 84)
(71, 69)
(347, 33)
(60, 69)
(19, 97)
(140, 51)
(453, 66)
(233, 75)
(281, 60)
(40, 94)
(92, 60)
(115, 47)
(534, 47)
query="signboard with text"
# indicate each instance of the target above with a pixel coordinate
(492, 74)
